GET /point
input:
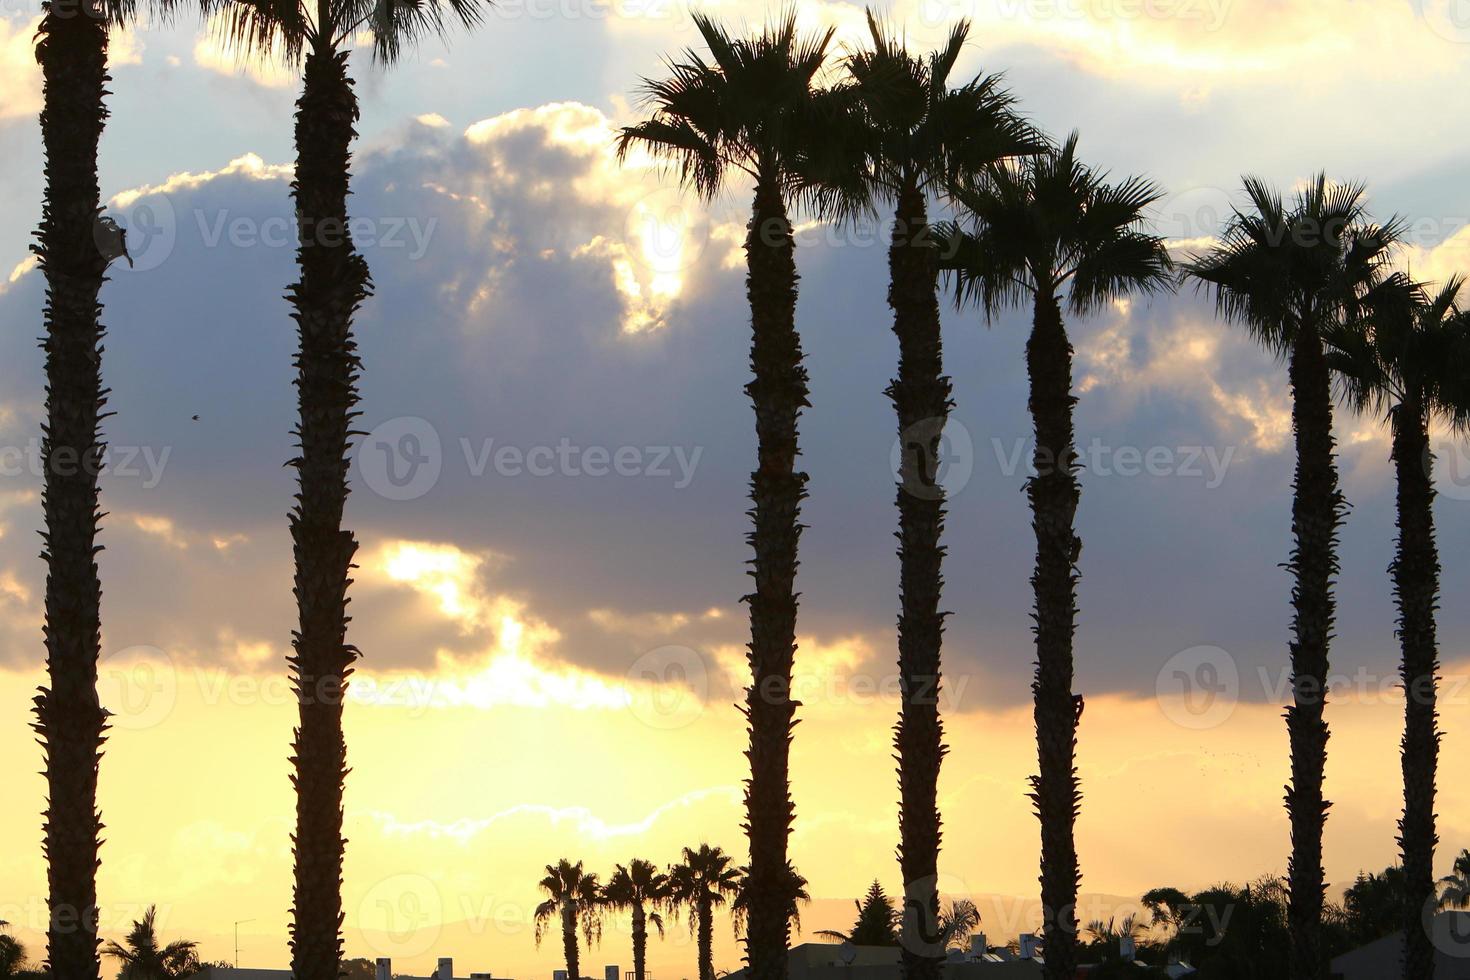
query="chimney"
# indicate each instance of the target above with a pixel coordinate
(1028, 946)
(445, 969)
(978, 946)
(558, 975)
(1129, 948)
(384, 970)
(611, 973)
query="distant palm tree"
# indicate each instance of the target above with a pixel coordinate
(1049, 231)
(142, 957)
(702, 882)
(1455, 890)
(1410, 360)
(750, 110)
(911, 135)
(12, 952)
(334, 282)
(640, 889)
(958, 920)
(1292, 276)
(574, 898)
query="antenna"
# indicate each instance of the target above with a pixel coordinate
(238, 924)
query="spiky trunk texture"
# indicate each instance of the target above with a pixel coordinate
(70, 721)
(640, 941)
(1317, 508)
(1415, 572)
(921, 398)
(706, 912)
(1054, 493)
(334, 282)
(778, 393)
(569, 941)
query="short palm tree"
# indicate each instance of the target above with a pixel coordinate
(334, 282)
(911, 135)
(1050, 231)
(1408, 360)
(1292, 275)
(1455, 890)
(750, 110)
(142, 957)
(574, 899)
(702, 882)
(12, 952)
(640, 889)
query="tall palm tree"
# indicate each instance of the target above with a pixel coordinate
(640, 889)
(574, 898)
(1410, 362)
(1293, 275)
(143, 958)
(749, 109)
(74, 246)
(912, 134)
(334, 281)
(702, 882)
(1050, 231)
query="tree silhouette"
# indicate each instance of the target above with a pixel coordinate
(877, 921)
(334, 282)
(640, 889)
(750, 110)
(702, 882)
(909, 135)
(1050, 230)
(1293, 275)
(1408, 360)
(143, 958)
(574, 898)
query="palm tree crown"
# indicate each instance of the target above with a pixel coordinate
(289, 27)
(640, 889)
(143, 958)
(574, 898)
(703, 881)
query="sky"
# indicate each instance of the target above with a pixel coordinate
(550, 497)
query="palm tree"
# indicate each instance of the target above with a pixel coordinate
(12, 952)
(1455, 892)
(334, 281)
(1409, 362)
(575, 898)
(911, 134)
(641, 889)
(750, 110)
(958, 920)
(702, 882)
(1292, 276)
(142, 957)
(1051, 230)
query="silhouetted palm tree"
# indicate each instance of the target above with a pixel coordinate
(74, 246)
(911, 135)
(1291, 276)
(641, 890)
(142, 957)
(333, 283)
(702, 882)
(1049, 230)
(12, 952)
(1409, 361)
(574, 898)
(750, 110)
(1455, 891)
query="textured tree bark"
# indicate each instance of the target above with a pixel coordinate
(334, 282)
(1415, 571)
(706, 940)
(70, 721)
(640, 941)
(569, 941)
(921, 399)
(1054, 493)
(1317, 508)
(778, 393)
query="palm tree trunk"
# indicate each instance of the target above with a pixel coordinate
(1054, 494)
(921, 398)
(1415, 571)
(334, 282)
(779, 393)
(569, 942)
(640, 941)
(1317, 507)
(70, 721)
(706, 940)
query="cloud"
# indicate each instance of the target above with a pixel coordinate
(20, 77)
